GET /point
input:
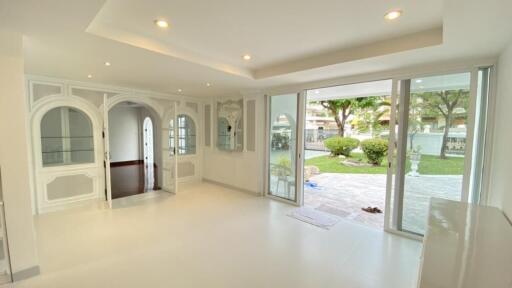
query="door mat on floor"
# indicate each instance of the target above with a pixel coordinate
(333, 210)
(314, 217)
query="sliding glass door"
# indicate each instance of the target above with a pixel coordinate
(435, 144)
(282, 147)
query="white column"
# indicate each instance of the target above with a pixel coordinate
(14, 160)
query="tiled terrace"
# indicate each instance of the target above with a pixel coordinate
(345, 194)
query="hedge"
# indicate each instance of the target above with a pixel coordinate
(341, 145)
(375, 150)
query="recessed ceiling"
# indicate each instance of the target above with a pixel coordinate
(290, 42)
(281, 33)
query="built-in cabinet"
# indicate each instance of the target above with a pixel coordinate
(69, 153)
(466, 246)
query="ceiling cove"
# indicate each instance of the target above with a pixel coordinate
(219, 34)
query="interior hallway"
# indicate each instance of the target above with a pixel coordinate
(211, 236)
(132, 178)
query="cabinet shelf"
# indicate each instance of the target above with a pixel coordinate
(69, 151)
(65, 137)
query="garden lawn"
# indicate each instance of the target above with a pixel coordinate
(429, 165)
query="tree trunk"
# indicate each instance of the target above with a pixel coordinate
(448, 120)
(340, 124)
(343, 121)
(411, 141)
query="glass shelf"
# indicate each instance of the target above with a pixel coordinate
(69, 151)
(64, 137)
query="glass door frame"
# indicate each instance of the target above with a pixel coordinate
(393, 174)
(391, 146)
(393, 221)
(106, 152)
(299, 148)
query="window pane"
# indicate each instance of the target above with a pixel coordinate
(66, 137)
(81, 140)
(283, 131)
(186, 135)
(436, 145)
(172, 147)
(479, 134)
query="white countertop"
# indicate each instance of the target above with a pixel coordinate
(466, 246)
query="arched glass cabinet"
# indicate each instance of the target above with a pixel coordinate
(66, 137)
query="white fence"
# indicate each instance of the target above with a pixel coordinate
(427, 143)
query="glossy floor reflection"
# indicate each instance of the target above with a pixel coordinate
(133, 179)
(211, 236)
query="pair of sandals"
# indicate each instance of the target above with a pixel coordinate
(372, 210)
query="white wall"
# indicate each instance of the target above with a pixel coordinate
(501, 177)
(124, 133)
(242, 170)
(14, 160)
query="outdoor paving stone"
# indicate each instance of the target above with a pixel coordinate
(346, 194)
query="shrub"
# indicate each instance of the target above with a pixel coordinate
(341, 145)
(375, 150)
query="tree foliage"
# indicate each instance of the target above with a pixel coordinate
(442, 104)
(341, 109)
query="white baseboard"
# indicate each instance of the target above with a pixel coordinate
(233, 187)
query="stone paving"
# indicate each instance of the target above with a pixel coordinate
(345, 194)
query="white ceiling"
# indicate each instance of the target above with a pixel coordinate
(291, 41)
(217, 33)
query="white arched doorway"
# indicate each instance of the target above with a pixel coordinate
(133, 148)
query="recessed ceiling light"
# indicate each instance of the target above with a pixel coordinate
(419, 81)
(208, 84)
(89, 76)
(392, 15)
(179, 90)
(107, 63)
(161, 23)
(247, 57)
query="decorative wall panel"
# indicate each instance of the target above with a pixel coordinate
(69, 186)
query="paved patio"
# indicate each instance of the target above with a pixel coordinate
(345, 194)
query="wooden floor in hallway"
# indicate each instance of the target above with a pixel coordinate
(132, 178)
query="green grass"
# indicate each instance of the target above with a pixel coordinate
(429, 165)
(432, 165)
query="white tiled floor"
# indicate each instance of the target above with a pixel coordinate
(210, 236)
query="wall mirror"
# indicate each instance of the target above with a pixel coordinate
(230, 134)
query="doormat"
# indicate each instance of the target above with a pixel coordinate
(333, 210)
(314, 217)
